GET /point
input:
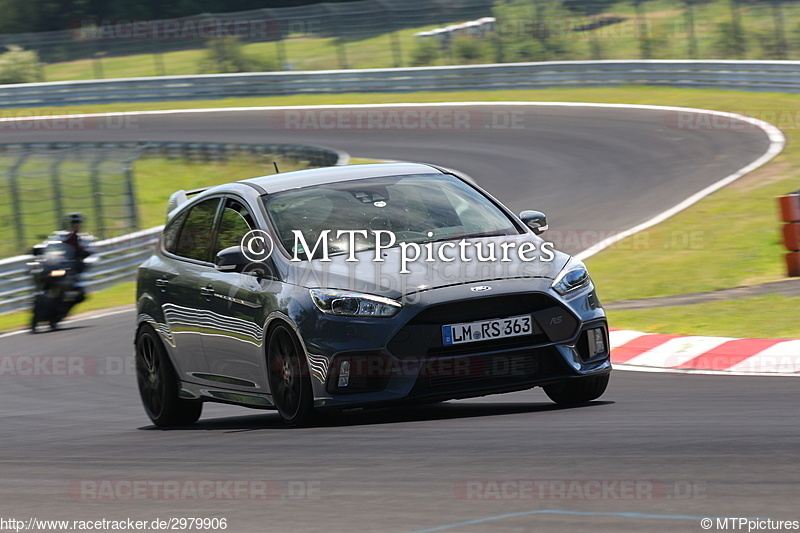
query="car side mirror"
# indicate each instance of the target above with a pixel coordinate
(536, 220)
(231, 260)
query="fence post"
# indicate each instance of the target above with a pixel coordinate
(280, 50)
(397, 50)
(158, 57)
(447, 41)
(56, 184)
(97, 193)
(275, 29)
(541, 30)
(780, 38)
(392, 29)
(131, 190)
(689, 14)
(738, 32)
(16, 205)
(594, 44)
(40, 72)
(97, 62)
(338, 39)
(642, 31)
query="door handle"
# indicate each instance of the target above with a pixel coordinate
(162, 283)
(207, 291)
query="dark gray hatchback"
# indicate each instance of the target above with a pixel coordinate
(365, 285)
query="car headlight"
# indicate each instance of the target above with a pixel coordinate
(572, 277)
(346, 303)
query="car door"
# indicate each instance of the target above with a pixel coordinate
(237, 306)
(187, 253)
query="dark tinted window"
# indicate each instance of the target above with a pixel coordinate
(196, 237)
(422, 208)
(171, 231)
(233, 225)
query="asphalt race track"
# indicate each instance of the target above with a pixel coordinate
(658, 453)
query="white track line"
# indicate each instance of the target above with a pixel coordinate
(654, 370)
(93, 316)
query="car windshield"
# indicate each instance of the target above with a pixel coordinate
(418, 208)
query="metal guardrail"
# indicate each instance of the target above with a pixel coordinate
(782, 76)
(118, 258)
(315, 156)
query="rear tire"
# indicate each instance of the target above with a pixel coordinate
(158, 383)
(576, 391)
(37, 311)
(289, 380)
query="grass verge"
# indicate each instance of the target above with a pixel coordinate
(122, 294)
(771, 317)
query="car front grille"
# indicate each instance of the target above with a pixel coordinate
(422, 335)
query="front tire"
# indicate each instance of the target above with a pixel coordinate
(576, 391)
(289, 380)
(158, 384)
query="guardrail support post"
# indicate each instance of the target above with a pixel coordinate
(790, 214)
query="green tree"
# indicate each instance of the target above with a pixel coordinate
(19, 66)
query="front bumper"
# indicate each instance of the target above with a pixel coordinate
(403, 360)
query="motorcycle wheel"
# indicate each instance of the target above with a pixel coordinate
(58, 309)
(36, 312)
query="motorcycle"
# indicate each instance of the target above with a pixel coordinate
(57, 288)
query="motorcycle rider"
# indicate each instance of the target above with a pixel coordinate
(57, 281)
(76, 241)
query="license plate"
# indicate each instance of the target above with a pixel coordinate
(486, 330)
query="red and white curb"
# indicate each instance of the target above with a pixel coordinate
(652, 352)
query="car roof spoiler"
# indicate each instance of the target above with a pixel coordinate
(178, 198)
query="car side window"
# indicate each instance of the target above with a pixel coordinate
(196, 236)
(235, 222)
(169, 237)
